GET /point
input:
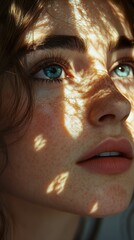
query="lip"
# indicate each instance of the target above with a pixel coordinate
(108, 165)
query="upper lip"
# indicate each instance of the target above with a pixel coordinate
(121, 145)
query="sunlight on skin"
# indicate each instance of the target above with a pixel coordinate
(35, 35)
(72, 116)
(78, 12)
(73, 125)
(126, 87)
(129, 124)
(39, 142)
(97, 55)
(122, 18)
(131, 116)
(58, 184)
(94, 208)
(81, 17)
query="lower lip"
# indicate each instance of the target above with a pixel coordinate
(107, 165)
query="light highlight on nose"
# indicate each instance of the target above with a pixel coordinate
(107, 104)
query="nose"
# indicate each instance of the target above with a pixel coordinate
(107, 104)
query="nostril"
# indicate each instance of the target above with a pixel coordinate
(107, 117)
(109, 110)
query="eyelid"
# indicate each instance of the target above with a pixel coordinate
(125, 60)
(50, 60)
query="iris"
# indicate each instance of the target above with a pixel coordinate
(123, 71)
(53, 71)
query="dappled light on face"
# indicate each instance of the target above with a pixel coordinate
(36, 34)
(80, 16)
(90, 17)
(73, 112)
(121, 16)
(73, 125)
(94, 208)
(126, 87)
(89, 26)
(130, 119)
(129, 124)
(58, 184)
(39, 143)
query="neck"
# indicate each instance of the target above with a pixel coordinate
(32, 222)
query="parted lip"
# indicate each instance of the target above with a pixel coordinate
(122, 145)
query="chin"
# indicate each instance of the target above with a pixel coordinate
(111, 201)
(107, 211)
(109, 204)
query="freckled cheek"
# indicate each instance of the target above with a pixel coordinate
(42, 120)
(47, 119)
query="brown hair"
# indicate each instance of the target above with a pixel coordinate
(16, 18)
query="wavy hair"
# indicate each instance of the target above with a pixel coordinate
(16, 18)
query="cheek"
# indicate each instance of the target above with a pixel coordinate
(32, 156)
(45, 134)
(47, 119)
(43, 116)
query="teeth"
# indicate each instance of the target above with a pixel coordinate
(109, 154)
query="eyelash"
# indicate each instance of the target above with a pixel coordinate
(64, 64)
(49, 61)
(124, 61)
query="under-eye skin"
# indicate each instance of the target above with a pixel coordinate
(50, 70)
(123, 69)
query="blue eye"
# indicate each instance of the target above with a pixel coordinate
(123, 71)
(51, 73)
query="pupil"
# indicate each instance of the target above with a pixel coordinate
(53, 71)
(122, 69)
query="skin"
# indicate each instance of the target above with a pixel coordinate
(42, 175)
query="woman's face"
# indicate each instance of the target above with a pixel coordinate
(82, 72)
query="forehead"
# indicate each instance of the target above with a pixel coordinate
(100, 21)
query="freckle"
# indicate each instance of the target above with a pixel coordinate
(40, 120)
(109, 200)
(116, 198)
(116, 191)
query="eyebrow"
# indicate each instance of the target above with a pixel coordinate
(76, 43)
(62, 41)
(122, 43)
